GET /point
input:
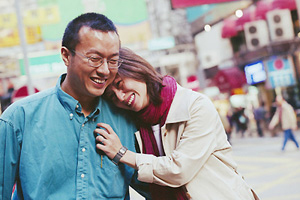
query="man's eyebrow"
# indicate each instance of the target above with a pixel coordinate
(101, 55)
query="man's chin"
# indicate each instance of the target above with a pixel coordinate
(100, 93)
(97, 93)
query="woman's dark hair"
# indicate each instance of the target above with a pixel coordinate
(136, 67)
(93, 20)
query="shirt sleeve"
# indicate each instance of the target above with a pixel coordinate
(9, 158)
(202, 132)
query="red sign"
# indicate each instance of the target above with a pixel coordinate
(278, 64)
(190, 3)
(21, 93)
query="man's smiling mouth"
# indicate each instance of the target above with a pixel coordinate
(99, 81)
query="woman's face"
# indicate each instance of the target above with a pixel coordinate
(128, 93)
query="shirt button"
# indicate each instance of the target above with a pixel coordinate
(82, 125)
(83, 150)
(77, 106)
(82, 175)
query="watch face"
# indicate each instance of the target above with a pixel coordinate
(122, 151)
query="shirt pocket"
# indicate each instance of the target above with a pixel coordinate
(113, 182)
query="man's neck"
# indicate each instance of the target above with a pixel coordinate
(88, 106)
(87, 103)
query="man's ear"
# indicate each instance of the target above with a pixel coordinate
(65, 55)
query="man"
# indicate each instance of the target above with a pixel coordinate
(259, 116)
(47, 141)
(285, 114)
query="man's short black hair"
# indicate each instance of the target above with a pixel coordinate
(93, 20)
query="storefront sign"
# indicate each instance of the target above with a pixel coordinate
(161, 43)
(281, 72)
(255, 73)
(44, 65)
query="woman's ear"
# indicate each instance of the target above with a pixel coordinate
(66, 55)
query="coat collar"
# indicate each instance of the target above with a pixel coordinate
(179, 110)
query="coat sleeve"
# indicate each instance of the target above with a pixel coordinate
(9, 158)
(293, 116)
(198, 141)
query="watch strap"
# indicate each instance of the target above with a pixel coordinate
(119, 155)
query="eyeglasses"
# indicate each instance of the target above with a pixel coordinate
(98, 61)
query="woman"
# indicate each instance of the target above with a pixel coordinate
(185, 150)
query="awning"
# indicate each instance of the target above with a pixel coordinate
(232, 26)
(248, 16)
(229, 28)
(262, 7)
(284, 4)
(190, 3)
(229, 79)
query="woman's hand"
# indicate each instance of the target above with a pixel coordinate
(110, 143)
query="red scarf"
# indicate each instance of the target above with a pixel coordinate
(157, 115)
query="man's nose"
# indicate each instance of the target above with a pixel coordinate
(103, 69)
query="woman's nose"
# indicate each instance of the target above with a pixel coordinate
(120, 95)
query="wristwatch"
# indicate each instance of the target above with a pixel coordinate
(119, 155)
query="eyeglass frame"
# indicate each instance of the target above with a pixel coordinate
(101, 61)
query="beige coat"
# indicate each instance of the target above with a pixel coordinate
(288, 118)
(198, 155)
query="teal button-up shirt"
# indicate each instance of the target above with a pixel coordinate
(47, 146)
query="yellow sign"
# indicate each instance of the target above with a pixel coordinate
(8, 20)
(40, 16)
(33, 19)
(10, 37)
(237, 91)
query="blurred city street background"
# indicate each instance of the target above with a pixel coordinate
(241, 54)
(273, 174)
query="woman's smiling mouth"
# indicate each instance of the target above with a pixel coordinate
(131, 98)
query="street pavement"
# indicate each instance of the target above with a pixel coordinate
(272, 173)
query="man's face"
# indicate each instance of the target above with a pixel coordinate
(83, 79)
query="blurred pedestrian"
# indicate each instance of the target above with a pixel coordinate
(185, 152)
(259, 116)
(240, 119)
(286, 116)
(226, 123)
(6, 97)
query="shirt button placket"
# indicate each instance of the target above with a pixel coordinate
(82, 159)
